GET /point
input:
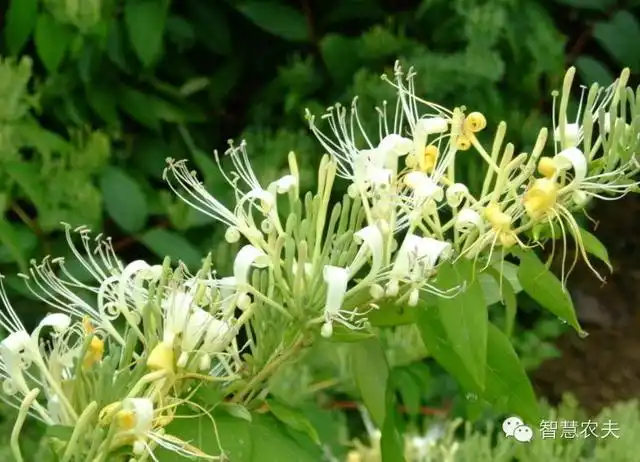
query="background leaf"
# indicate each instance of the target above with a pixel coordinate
(591, 71)
(620, 36)
(277, 19)
(20, 21)
(164, 243)
(124, 199)
(371, 372)
(145, 20)
(52, 40)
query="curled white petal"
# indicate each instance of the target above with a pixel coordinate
(432, 125)
(285, 184)
(372, 238)
(336, 279)
(575, 159)
(142, 408)
(247, 257)
(214, 336)
(195, 329)
(60, 322)
(423, 252)
(396, 144)
(456, 194)
(423, 186)
(571, 135)
(468, 219)
(380, 177)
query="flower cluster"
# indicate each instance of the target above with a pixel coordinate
(120, 353)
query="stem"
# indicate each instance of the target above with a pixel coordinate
(268, 370)
(17, 427)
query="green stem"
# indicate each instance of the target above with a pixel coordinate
(269, 369)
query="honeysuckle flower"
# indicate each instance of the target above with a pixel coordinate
(52, 282)
(138, 425)
(25, 366)
(196, 195)
(337, 280)
(418, 256)
(467, 220)
(372, 244)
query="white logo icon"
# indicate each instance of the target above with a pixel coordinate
(514, 426)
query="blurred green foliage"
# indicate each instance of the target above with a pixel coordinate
(99, 93)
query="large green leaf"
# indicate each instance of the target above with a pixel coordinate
(124, 199)
(464, 317)
(145, 20)
(506, 386)
(264, 439)
(19, 23)
(542, 285)
(164, 242)
(52, 39)
(277, 19)
(371, 373)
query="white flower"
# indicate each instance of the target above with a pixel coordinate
(372, 243)
(24, 366)
(137, 420)
(337, 279)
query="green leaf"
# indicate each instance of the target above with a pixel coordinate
(16, 243)
(391, 440)
(371, 373)
(164, 243)
(542, 285)
(211, 25)
(390, 314)
(342, 334)
(277, 19)
(264, 439)
(145, 21)
(409, 388)
(591, 71)
(599, 5)
(19, 23)
(596, 248)
(464, 317)
(338, 54)
(27, 176)
(140, 106)
(620, 36)
(52, 39)
(507, 296)
(293, 418)
(506, 386)
(236, 410)
(124, 199)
